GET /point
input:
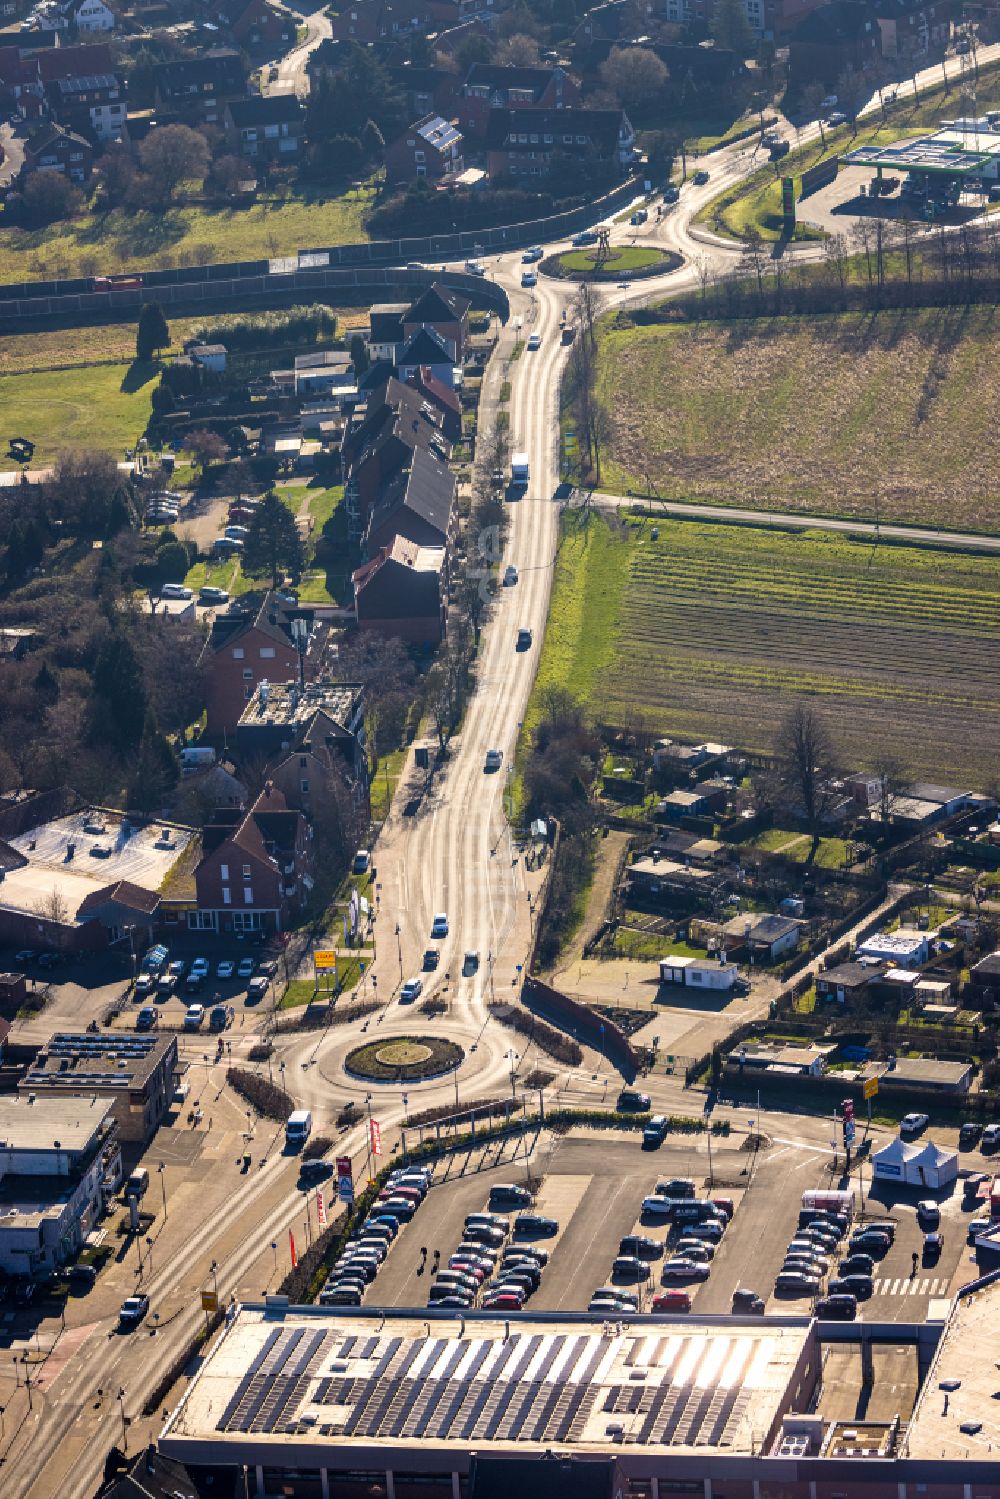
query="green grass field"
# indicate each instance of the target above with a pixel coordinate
(715, 630)
(195, 234)
(77, 408)
(757, 199)
(854, 414)
(579, 262)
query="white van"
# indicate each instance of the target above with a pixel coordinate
(298, 1128)
(137, 1183)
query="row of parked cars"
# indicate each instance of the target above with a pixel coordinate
(491, 1267)
(364, 1255)
(809, 1257)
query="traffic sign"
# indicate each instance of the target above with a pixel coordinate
(847, 1109)
(345, 1179)
(849, 1131)
(209, 1301)
(325, 959)
(869, 1087)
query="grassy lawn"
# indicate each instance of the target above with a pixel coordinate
(225, 574)
(626, 259)
(714, 630)
(757, 199)
(873, 415)
(384, 783)
(303, 991)
(78, 408)
(193, 234)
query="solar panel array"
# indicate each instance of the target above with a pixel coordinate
(541, 1387)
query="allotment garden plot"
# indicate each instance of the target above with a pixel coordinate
(714, 630)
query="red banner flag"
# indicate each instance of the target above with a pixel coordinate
(320, 1210)
(376, 1137)
(291, 1245)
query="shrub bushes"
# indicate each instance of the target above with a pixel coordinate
(266, 1097)
(261, 329)
(545, 1037)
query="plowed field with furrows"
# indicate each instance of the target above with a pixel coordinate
(716, 629)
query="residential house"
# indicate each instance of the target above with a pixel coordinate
(134, 1074)
(84, 60)
(265, 128)
(257, 26)
(431, 148)
(984, 983)
(280, 713)
(905, 948)
(22, 93)
(93, 103)
(443, 312)
(401, 592)
(251, 642)
(493, 86)
(847, 983)
(427, 91)
(385, 330)
(254, 874)
(366, 21)
(418, 503)
(444, 399)
(764, 937)
(426, 349)
(60, 1163)
(381, 435)
(90, 17)
(838, 35)
(59, 150)
(911, 29)
(522, 143)
(198, 88)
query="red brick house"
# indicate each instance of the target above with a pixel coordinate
(257, 26)
(430, 148)
(446, 314)
(446, 401)
(367, 21)
(247, 646)
(529, 143)
(254, 874)
(489, 86)
(401, 592)
(58, 150)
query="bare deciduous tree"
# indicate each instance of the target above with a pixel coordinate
(805, 757)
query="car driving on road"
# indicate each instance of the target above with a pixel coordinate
(439, 926)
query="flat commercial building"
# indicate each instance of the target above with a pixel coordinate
(59, 1160)
(134, 1073)
(318, 1403)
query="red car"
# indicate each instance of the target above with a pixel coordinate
(503, 1301)
(467, 1268)
(725, 1205)
(672, 1301)
(409, 1193)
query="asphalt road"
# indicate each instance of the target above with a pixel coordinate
(457, 855)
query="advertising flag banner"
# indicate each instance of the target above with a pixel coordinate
(376, 1137)
(291, 1245)
(320, 1210)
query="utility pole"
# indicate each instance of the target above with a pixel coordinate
(161, 1171)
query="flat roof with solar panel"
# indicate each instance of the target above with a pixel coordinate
(308, 1379)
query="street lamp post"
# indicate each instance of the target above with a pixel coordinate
(399, 950)
(121, 1403)
(161, 1172)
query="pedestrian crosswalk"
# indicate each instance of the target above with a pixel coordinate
(918, 1285)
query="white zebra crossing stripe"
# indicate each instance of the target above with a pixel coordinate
(926, 1286)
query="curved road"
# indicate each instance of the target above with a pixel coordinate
(455, 854)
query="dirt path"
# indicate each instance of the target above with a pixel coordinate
(598, 900)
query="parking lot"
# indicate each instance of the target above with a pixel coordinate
(594, 1186)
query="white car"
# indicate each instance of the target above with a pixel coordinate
(194, 1017)
(410, 989)
(534, 343)
(199, 968)
(246, 968)
(225, 969)
(439, 926)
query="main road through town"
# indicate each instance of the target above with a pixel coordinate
(447, 847)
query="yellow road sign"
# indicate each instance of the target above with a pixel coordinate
(869, 1087)
(209, 1301)
(327, 959)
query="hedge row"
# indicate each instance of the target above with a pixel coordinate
(266, 1097)
(545, 1037)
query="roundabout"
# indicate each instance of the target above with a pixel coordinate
(400, 1059)
(612, 264)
